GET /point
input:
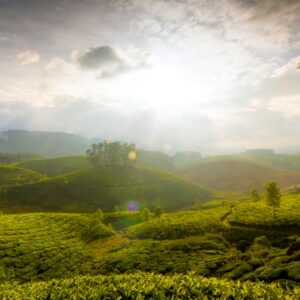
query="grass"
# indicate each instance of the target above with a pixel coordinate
(56, 166)
(237, 176)
(10, 176)
(43, 246)
(105, 188)
(146, 286)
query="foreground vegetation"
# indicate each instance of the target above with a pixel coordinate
(43, 246)
(146, 286)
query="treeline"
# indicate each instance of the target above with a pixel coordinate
(114, 154)
(8, 158)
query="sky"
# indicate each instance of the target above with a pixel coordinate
(203, 75)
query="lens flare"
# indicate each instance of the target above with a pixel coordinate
(132, 155)
(132, 206)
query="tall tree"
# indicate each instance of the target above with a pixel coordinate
(273, 196)
(255, 195)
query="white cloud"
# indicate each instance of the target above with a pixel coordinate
(27, 57)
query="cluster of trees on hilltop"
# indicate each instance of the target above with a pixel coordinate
(113, 154)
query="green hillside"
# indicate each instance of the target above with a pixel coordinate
(237, 176)
(14, 176)
(56, 166)
(43, 246)
(146, 286)
(210, 242)
(104, 188)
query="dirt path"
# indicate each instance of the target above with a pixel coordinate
(99, 248)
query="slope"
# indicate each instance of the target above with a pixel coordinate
(56, 166)
(237, 176)
(13, 176)
(104, 188)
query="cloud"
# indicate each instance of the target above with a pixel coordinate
(98, 57)
(109, 61)
(27, 57)
(148, 128)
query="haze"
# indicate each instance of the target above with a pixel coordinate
(167, 75)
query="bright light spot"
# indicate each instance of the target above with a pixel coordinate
(132, 155)
(132, 206)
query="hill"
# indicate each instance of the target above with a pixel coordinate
(56, 166)
(237, 176)
(227, 241)
(10, 176)
(48, 144)
(105, 188)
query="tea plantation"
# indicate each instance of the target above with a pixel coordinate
(41, 246)
(146, 286)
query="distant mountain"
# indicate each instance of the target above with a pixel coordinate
(48, 144)
(186, 158)
(237, 176)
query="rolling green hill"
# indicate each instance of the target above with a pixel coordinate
(104, 188)
(237, 176)
(56, 166)
(14, 176)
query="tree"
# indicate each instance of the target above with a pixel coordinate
(273, 196)
(146, 214)
(255, 195)
(158, 211)
(99, 214)
(112, 154)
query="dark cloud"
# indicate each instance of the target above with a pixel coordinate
(108, 61)
(98, 57)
